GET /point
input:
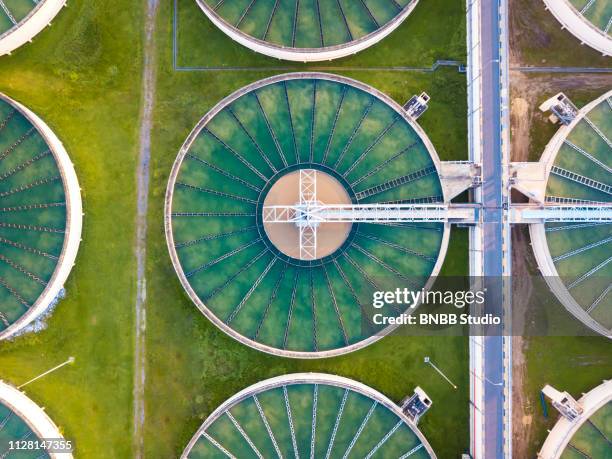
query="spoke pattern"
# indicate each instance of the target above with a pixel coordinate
(32, 214)
(593, 439)
(308, 419)
(581, 173)
(597, 12)
(13, 427)
(7, 12)
(308, 23)
(223, 249)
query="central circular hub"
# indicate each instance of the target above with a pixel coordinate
(286, 236)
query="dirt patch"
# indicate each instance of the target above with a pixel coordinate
(520, 116)
(522, 288)
(521, 23)
(576, 85)
(531, 129)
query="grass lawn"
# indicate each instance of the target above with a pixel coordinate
(541, 129)
(83, 76)
(79, 77)
(576, 365)
(193, 366)
(419, 41)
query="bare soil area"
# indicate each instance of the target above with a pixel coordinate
(520, 117)
(523, 267)
(143, 176)
(530, 128)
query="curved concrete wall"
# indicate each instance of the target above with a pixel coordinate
(547, 267)
(538, 234)
(33, 415)
(39, 18)
(74, 222)
(579, 26)
(306, 54)
(564, 429)
(308, 378)
(168, 212)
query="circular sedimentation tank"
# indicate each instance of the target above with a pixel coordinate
(587, 436)
(40, 216)
(307, 30)
(22, 20)
(308, 415)
(575, 257)
(22, 419)
(588, 20)
(247, 280)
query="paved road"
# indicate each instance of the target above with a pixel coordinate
(492, 229)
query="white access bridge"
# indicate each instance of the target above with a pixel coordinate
(318, 213)
(309, 213)
(315, 214)
(526, 213)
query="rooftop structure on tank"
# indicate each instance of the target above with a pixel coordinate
(416, 405)
(297, 197)
(564, 403)
(564, 110)
(584, 428)
(308, 415)
(417, 105)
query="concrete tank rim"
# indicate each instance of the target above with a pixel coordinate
(307, 378)
(31, 25)
(307, 54)
(36, 418)
(538, 236)
(563, 431)
(580, 27)
(168, 212)
(74, 223)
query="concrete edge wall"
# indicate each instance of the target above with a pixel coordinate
(552, 148)
(25, 31)
(307, 378)
(306, 54)
(32, 414)
(579, 26)
(170, 191)
(564, 429)
(538, 235)
(74, 222)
